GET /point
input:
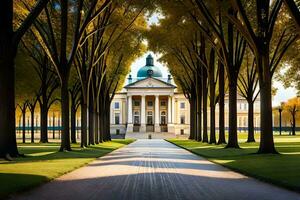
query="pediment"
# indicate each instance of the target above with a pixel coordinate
(150, 83)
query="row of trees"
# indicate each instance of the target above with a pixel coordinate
(80, 52)
(213, 47)
(286, 115)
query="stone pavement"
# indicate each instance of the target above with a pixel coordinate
(158, 170)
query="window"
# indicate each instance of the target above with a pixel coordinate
(136, 103)
(117, 118)
(117, 105)
(163, 103)
(182, 132)
(150, 103)
(163, 118)
(150, 118)
(182, 119)
(182, 105)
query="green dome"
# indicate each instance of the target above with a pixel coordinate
(149, 70)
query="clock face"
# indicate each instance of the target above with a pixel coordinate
(150, 72)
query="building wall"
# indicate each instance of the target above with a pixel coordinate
(242, 113)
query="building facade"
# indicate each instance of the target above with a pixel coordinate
(153, 104)
(150, 104)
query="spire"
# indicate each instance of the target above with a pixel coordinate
(149, 60)
(129, 79)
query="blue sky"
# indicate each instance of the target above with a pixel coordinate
(282, 94)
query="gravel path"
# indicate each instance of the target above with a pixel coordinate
(155, 169)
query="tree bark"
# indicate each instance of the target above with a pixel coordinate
(32, 125)
(91, 122)
(192, 116)
(232, 139)
(24, 126)
(73, 122)
(294, 124)
(53, 125)
(198, 110)
(222, 139)
(44, 123)
(83, 123)
(65, 134)
(204, 88)
(266, 132)
(250, 122)
(280, 121)
(8, 144)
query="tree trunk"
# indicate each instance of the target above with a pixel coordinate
(44, 123)
(204, 88)
(294, 124)
(106, 136)
(91, 122)
(83, 123)
(250, 122)
(8, 144)
(192, 116)
(53, 125)
(280, 122)
(65, 134)
(222, 139)
(101, 114)
(198, 110)
(24, 126)
(212, 139)
(96, 127)
(233, 138)
(32, 125)
(266, 132)
(73, 122)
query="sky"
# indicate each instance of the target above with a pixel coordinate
(283, 94)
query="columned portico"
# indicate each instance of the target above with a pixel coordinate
(150, 104)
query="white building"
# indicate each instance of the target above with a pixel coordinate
(150, 104)
(153, 104)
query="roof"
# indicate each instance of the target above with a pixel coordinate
(149, 69)
(167, 85)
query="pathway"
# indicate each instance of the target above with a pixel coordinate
(155, 169)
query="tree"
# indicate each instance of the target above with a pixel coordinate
(293, 106)
(232, 46)
(248, 88)
(75, 103)
(61, 42)
(294, 11)
(259, 40)
(9, 41)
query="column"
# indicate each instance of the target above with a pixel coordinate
(156, 112)
(173, 110)
(143, 114)
(169, 110)
(170, 114)
(129, 118)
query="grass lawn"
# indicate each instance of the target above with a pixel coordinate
(43, 162)
(282, 169)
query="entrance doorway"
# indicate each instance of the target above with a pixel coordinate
(150, 124)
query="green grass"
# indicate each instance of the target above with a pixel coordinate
(282, 169)
(43, 162)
